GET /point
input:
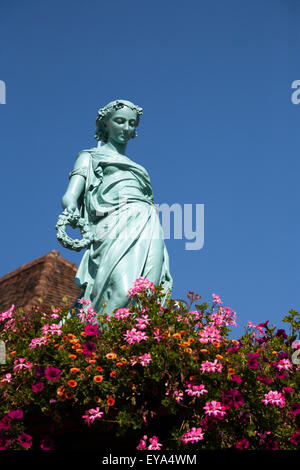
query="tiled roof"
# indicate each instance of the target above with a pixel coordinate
(50, 278)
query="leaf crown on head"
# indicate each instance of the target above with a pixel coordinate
(105, 113)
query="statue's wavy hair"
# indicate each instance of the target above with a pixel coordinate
(105, 113)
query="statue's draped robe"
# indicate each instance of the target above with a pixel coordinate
(129, 242)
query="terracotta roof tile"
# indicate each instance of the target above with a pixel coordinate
(50, 277)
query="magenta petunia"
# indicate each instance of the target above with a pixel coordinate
(89, 347)
(25, 440)
(15, 414)
(37, 387)
(52, 374)
(47, 444)
(242, 444)
(295, 438)
(91, 330)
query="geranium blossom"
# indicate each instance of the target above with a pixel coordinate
(52, 329)
(157, 335)
(274, 398)
(22, 364)
(7, 314)
(154, 444)
(122, 313)
(134, 336)
(143, 360)
(208, 366)
(38, 342)
(216, 299)
(192, 436)
(195, 390)
(7, 378)
(178, 395)
(92, 414)
(284, 364)
(214, 408)
(142, 322)
(209, 334)
(140, 285)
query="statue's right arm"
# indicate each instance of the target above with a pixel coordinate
(76, 183)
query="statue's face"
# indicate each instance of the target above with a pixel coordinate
(121, 125)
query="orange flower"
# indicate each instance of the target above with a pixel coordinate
(74, 370)
(72, 356)
(99, 368)
(235, 341)
(69, 395)
(65, 338)
(186, 343)
(218, 356)
(124, 346)
(111, 356)
(92, 361)
(72, 383)
(119, 364)
(273, 352)
(203, 351)
(216, 344)
(110, 401)
(83, 333)
(79, 350)
(13, 353)
(61, 346)
(89, 368)
(60, 391)
(181, 332)
(177, 335)
(192, 377)
(98, 378)
(97, 399)
(191, 340)
(189, 350)
(231, 371)
(113, 374)
(71, 336)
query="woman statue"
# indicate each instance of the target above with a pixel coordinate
(114, 197)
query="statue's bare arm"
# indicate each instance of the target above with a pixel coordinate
(76, 183)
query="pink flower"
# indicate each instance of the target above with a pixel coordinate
(142, 444)
(38, 342)
(145, 359)
(38, 387)
(52, 374)
(156, 335)
(274, 398)
(195, 390)
(140, 285)
(208, 366)
(22, 364)
(8, 314)
(214, 408)
(242, 444)
(209, 334)
(89, 347)
(92, 414)
(15, 414)
(154, 444)
(122, 313)
(192, 436)
(5, 423)
(52, 329)
(25, 440)
(47, 443)
(284, 364)
(134, 335)
(142, 322)
(178, 395)
(6, 379)
(216, 299)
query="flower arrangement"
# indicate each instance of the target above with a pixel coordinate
(125, 372)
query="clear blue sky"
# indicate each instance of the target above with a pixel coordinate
(219, 128)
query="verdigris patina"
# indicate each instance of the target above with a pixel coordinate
(110, 198)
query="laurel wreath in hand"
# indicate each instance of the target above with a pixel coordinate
(75, 221)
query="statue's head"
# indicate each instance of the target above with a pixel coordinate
(114, 113)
